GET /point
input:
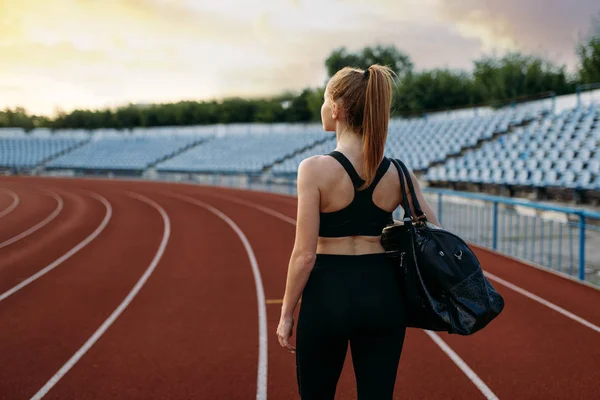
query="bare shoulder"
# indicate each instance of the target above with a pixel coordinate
(391, 175)
(313, 166)
(414, 179)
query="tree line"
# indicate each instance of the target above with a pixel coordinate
(493, 81)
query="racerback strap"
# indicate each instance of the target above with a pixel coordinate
(383, 167)
(357, 181)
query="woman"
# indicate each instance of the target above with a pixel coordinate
(338, 266)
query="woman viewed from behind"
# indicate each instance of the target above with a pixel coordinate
(338, 266)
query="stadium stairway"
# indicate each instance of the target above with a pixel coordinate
(267, 169)
(554, 154)
(41, 166)
(287, 166)
(480, 143)
(178, 152)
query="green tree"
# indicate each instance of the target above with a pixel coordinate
(589, 60)
(315, 101)
(269, 111)
(516, 75)
(17, 118)
(434, 89)
(389, 56)
(299, 108)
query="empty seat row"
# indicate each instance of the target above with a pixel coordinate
(25, 152)
(243, 152)
(122, 153)
(544, 153)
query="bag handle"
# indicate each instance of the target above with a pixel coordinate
(408, 217)
(419, 212)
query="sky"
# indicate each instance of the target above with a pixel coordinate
(67, 54)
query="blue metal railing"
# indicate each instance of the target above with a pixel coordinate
(560, 238)
(564, 239)
(581, 88)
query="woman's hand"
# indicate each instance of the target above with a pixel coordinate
(284, 332)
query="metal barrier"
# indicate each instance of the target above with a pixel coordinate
(566, 240)
(563, 239)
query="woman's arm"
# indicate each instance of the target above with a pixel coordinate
(431, 217)
(303, 255)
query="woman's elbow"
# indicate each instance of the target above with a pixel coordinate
(305, 259)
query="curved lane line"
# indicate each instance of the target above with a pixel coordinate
(544, 302)
(485, 390)
(40, 224)
(491, 276)
(68, 254)
(115, 314)
(261, 382)
(264, 209)
(15, 203)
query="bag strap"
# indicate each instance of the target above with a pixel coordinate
(408, 217)
(420, 214)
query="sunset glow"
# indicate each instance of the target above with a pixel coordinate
(91, 54)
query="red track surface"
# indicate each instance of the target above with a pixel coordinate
(192, 330)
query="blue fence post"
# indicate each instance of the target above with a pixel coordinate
(581, 247)
(439, 208)
(495, 227)
(560, 226)
(542, 242)
(570, 249)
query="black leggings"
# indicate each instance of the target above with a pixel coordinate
(352, 299)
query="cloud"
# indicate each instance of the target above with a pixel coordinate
(547, 27)
(112, 52)
(84, 53)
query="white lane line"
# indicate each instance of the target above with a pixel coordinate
(261, 383)
(266, 210)
(491, 276)
(68, 254)
(115, 314)
(487, 392)
(40, 224)
(14, 204)
(439, 341)
(545, 302)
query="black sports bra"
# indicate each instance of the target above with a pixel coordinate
(361, 217)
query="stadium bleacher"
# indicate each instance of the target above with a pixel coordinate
(421, 142)
(18, 151)
(243, 152)
(523, 146)
(555, 151)
(290, 165)
(119, 152)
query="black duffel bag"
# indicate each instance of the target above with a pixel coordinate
(443, 285)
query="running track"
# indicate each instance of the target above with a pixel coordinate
(144, 290)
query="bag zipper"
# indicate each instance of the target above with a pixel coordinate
(402, 258)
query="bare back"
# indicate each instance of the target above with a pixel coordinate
(337, 192)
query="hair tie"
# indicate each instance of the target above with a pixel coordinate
(366, 74)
